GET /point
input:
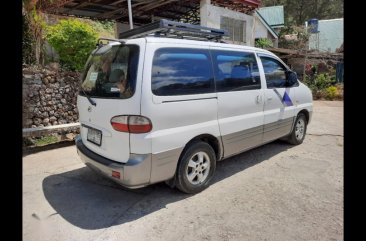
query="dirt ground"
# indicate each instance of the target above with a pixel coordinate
(274, 192)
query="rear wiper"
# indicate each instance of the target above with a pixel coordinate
(88, 97)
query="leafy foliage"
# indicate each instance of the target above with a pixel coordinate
(104, 28)
(322, 85)
(105, 24)
(332, 92)
(263, 43)
(298, 43)
(73, 40)
(323, 81)
(319, 81)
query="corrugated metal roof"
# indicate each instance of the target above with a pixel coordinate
(274, 15)
(330, 35)
(143, 10)
(270, 29)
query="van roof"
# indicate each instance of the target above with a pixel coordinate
(203, 43)
(152, 39)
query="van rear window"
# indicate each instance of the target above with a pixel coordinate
(111, 72)
(182, 71)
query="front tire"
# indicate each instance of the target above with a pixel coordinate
(298, 133)
(196, 168)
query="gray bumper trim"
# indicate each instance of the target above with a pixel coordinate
(133, 174)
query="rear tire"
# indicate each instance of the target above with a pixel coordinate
(298, 133)
(196, 168)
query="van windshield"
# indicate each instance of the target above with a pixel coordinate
(111, 72)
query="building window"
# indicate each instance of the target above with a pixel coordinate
(235, 27)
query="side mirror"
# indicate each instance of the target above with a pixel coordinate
(291, 78)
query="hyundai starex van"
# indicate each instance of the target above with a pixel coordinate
(186, 105)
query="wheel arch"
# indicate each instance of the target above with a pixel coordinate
(214, 142)
(306, 113)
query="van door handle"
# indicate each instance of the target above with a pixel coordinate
(269, 98)
(258, 99)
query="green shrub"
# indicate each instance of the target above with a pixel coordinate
(104, 28)
(73, 40)
(331, 92)
(319, 84)
(323, 81)
(263, 43)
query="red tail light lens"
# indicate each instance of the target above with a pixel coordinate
(139, 124)
(132, 124)
(120, 123)
(116, 174)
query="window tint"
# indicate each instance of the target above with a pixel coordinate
(180, 71)
(275, 72)
(235, 71)
(111, 72)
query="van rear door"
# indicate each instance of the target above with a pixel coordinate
(103, 95)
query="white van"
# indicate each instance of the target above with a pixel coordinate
(185, 105)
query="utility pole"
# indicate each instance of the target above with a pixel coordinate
(130, 13)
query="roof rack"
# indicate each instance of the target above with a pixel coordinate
(171, 29)
(100, 43)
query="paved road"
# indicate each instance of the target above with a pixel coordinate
(274, 192)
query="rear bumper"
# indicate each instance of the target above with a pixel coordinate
(134, 173)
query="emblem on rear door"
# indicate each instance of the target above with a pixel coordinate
(89, 108)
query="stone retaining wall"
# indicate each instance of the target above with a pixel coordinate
(49, 96)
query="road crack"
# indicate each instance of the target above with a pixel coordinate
(325, 134)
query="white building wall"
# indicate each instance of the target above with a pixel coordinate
(330, 36)
(260, 30)
(211, 15)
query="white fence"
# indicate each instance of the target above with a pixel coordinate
(38, 131)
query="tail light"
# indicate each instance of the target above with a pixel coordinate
(131, 123)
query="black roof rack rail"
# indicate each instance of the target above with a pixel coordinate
(99, 41)
(167, 28)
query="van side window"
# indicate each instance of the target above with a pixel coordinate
(274, 71)
(235, 71)
(181, 71)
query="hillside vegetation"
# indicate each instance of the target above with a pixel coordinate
(298, 11)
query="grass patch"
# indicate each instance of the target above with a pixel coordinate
(45, 140)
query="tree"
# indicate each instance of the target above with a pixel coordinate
(298, 11)
(35, 24)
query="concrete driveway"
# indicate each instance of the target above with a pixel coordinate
(274, 192)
